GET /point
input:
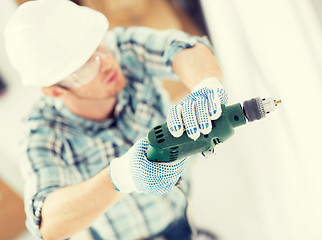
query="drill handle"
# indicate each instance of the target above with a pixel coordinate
(163, 147)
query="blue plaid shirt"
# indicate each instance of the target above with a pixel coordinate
(61, 148)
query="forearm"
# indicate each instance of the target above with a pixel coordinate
(74, 208)
(195, 64)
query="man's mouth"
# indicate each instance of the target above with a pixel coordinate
(113, 77)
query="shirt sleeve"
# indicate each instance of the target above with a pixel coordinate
(43, 172)
(155, 49)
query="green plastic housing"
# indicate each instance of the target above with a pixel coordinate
(163, 147)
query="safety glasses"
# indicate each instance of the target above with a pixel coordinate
(87, 72)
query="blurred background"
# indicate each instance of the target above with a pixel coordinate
(265, 182)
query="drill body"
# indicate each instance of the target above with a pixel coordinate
(163, 147)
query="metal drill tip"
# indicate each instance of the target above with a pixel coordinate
(277, 102)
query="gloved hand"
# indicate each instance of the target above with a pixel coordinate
(134, 172)
(195, 112)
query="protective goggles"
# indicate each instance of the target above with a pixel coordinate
(87, 72)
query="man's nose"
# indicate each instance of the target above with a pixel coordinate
(106, 62)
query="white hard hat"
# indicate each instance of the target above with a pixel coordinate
(47, 40)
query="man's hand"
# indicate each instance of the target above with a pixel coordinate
(134, 172)
(195, 112)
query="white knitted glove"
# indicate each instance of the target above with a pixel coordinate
(134, 172)
(195, 112)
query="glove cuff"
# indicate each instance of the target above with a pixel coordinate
(211, 83)
(120, 175)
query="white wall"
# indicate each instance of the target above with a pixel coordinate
(265, 183)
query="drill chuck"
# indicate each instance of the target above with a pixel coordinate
(163, 147)
(257, 108)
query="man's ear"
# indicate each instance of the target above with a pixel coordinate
(54, 91)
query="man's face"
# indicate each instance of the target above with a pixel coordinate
(107, 83)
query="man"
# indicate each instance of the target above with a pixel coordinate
(85, 162)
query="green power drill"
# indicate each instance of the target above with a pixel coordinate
(163, 147)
